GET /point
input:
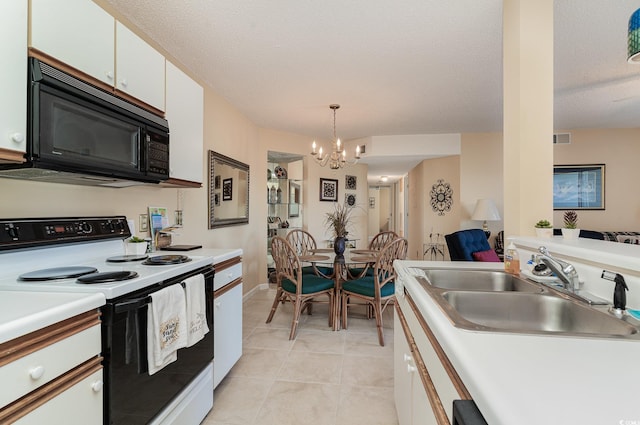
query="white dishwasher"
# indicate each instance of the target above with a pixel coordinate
(227, 317)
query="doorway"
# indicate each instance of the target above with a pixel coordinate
(381, 209)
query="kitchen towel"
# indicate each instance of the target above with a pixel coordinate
(196, 309)
(166, 327)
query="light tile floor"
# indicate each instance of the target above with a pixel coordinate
(321, 378)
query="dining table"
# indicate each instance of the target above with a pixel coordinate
(352, 264)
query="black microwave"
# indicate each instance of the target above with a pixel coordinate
(78, 133)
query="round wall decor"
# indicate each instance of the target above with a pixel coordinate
(441, 197)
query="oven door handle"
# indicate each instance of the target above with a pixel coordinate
(133, 304)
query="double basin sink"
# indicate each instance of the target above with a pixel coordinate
(484, 300)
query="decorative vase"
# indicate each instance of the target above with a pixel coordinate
(339, 245)
(570, 233)
(544, 232)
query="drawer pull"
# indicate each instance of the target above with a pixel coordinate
(230, 275)
(410, 368)
(407, 358)
(109, 75)
(17, 137)
(97, 386)
(217, 305)
(36, 373)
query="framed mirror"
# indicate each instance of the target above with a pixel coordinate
(228, 191)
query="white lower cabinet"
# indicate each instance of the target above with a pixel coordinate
(55, 374)
(412, 402)
(426, 384)
(81, 404)
(227, 318)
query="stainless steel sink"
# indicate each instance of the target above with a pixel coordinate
(475, 280)
(529, 313)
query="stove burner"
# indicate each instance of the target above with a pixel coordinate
(107, 277)
(126, 258)
(57, 273)
(163, 260)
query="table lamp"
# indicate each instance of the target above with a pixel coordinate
(484, 211)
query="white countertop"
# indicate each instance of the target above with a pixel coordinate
(532, 380)
(24, 312)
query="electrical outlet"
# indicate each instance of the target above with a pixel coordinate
(144, 222)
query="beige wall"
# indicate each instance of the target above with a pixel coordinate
(481, 174)
(619, 150)
(423, 221)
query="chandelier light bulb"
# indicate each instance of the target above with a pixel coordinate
(320, 153)
(313, 148)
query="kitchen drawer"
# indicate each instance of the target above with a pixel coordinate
(31, 371)
(226, 275)
(80, 404)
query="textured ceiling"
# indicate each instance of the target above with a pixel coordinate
(401, 67)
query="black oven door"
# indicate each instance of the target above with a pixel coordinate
(133, 396)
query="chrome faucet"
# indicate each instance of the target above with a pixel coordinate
(565, 271)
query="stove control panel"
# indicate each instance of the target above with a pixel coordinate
(22, 233)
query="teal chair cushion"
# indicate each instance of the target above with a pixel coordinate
(310, 284)
(328, 271)
(357, 271)
(365, 286)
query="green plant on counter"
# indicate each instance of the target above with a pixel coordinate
(135, 239)
(543, 224)
(570, 220)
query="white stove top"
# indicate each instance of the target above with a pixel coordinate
(94, 254)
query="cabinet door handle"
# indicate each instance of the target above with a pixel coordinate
(97, 386)
(230, 275)
(123, 82)
(407, 358)
(109, 75)
(217, 305)
(36, 372)
(411, 368)
(17, 137)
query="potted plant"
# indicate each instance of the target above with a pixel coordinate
(135, 246)
(570, 229)
(544, 229)
(337, 222)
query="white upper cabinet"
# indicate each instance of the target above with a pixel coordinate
(139, 68)
(13, 84)
(82, 35)
(185, 113)
(76, 32)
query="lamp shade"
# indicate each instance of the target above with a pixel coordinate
(633, 38)
(485, 210)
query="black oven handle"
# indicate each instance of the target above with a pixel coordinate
(133, 304)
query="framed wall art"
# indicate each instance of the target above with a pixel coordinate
(350, 182)
(328, 190)
(578, 187)
(350, 199)
(227, 189)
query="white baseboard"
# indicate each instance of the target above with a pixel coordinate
(260, 287)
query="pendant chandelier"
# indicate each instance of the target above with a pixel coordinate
(338, 156)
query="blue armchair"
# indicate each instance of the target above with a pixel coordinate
(463, 243)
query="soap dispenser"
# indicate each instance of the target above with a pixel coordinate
(511, 259)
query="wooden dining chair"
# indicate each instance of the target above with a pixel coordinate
(376, 291)
(294, 286)
(377, 243)
(305, 244)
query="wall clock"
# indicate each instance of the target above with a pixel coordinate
(441, 197)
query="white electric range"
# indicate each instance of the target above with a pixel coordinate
(81, 247)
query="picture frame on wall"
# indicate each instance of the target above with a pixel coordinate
(578, 187)
(328, 190)
(227, 189)
(350, 182)
(350, 199)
